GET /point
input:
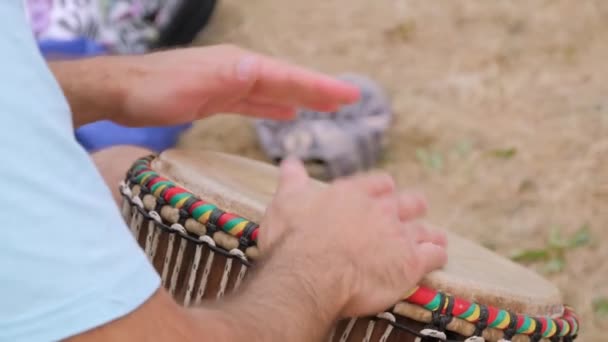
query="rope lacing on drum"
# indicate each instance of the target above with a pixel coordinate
(430, 335)
(442, 321)
(155, 216)
(136, 201)
(537, 335)
(124, 189)
(480, 326)
(178, 227)
(555, 338)
(411, 331)
(435, 331)
(213, 220)
(389, 317)
(183, 213)
(239, 253)
(207, 239)
(160, 201)
(245, 239)
(511, 329)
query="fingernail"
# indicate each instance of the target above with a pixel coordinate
(245, 68)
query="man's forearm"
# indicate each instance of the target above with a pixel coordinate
(94, 87)
(278, 305)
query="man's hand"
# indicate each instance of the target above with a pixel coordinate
(352, 248)
(183, 85)
(357, 236)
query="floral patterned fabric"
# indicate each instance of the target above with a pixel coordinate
(121, 26)
(81, 28)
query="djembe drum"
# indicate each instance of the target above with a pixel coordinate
(195, 215)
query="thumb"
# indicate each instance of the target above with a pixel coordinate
(293, 175)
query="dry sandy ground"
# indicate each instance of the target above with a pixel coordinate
(465, 78)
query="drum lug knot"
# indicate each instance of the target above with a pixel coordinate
(155, 216)
(431, 334)
(444, 313)
(124, 189)
(475, 339)
(179, 228)
(441, 317)
(138, 202)
(482, 323)
(537, 335)
(246, 238)
(212, 222)
(511, 329)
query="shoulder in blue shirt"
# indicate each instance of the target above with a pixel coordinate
(67, 260)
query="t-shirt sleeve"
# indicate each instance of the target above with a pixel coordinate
(68, 262)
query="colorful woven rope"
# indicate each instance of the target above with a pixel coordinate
(180, 198)
(177, 197)
(567, 325)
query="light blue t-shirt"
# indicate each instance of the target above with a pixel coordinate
(67, 260)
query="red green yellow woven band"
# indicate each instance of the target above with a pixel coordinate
(566, 325)
(180, 198)
(171, 194)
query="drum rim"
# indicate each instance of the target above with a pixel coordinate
(443, 307)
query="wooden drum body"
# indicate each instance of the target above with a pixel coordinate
(195, 214)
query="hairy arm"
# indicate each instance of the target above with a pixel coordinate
(182, 85)
(277, 304)
(92, 86)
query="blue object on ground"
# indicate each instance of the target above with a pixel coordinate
(103, 134)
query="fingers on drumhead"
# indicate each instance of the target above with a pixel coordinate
(431, 256)
(438, 238)
(421, 232)
(411, 206)
(374, 184)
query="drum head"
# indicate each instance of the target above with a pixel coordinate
(245, 187)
